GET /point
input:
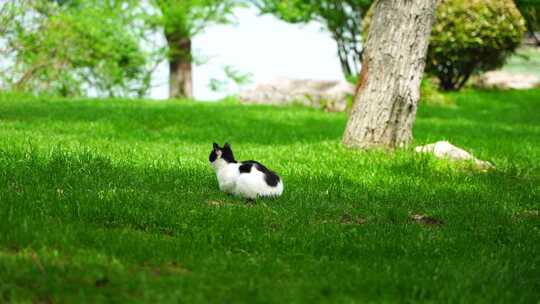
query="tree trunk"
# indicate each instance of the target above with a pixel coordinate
(389, 86)
(180, 70)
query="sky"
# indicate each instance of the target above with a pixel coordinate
(262, 46)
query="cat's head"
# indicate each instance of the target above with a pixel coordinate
(220, 155)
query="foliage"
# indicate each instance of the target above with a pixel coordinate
(190, 17)
(179, 21)
(74, 48)
(184, 19)
(341, 18)
(232, 77)
(114, 201)
(470, 36)
(530, 10)
(430, 94)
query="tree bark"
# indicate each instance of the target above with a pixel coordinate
(389, 86)
(180, 67)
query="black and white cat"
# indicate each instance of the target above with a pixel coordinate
(248, 179)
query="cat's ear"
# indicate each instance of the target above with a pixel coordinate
(227, 146)
(216, 146)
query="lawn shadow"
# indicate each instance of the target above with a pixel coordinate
(91, 188)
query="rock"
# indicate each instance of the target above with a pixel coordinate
(328, 95)
(505, 80)
(444, 149)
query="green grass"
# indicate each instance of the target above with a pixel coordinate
(114, 201)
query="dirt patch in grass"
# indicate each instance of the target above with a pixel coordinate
(102, 282)
(527, 214)
(170, 268)
(164, 269)
(427, 220)
(216, 203)
(347, 219)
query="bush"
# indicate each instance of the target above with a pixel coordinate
(471, 36)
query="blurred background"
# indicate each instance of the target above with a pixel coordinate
(208, 49)
(264, 47)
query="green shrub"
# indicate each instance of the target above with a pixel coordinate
(470, 36)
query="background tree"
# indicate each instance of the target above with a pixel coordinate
(72, 48)
(181, 20)
(341, 18)
(530, 9)
(470, 37)
(389, 87)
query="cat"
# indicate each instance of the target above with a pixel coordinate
(248, 179)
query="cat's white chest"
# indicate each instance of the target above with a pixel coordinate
(227, 177)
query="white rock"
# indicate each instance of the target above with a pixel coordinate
(444, 149)
(329, 95)
(505, 80)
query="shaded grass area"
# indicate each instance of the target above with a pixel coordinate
(113, 201)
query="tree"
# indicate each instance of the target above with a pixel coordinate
(71, 47)
(389, 86)
(470, 37)
(341, 18)
(181, 20)
(530, 9)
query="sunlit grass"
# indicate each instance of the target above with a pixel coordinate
(114, 200)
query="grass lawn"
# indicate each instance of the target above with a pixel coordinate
(114, 201)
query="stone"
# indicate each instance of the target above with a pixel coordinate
(505, 80)
(445, 150)
(331, 96)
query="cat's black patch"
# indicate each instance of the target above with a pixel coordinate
(213, 156)
(227, 154)
(245, 167)
(270, 177)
